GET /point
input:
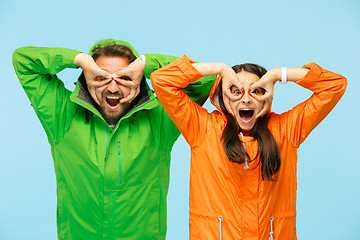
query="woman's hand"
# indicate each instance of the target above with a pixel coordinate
(232, 89)
(267, 83)
(228, 76)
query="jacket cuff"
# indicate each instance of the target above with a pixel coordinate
(312, 76)
(184, 63)
(150, 65)
(69, 58)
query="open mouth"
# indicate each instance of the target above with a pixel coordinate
(112, 101)
(246, 115)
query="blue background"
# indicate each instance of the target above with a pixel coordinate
(270, 33)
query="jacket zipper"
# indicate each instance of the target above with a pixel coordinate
(246, 165)
(106, 142)
(220, 219)
(120, 168)
(271, 228)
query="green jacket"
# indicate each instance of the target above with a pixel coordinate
(111, 184)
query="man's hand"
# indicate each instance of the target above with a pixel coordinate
(131, 77)
(94, 76)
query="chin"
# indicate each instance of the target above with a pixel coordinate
(246, 127)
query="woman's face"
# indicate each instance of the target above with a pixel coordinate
(247, 107)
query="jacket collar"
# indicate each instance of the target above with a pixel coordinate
(83, 98)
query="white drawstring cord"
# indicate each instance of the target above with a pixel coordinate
(220, 219)
(246, 165)
(271, 229)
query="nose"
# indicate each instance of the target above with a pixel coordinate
(113, 86)
(247, 97)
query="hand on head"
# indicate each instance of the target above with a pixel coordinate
(266, 82)
(232, 90)
(129, 76)
(261, 91)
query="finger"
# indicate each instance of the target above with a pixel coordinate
(126, 83)
(123, 77)
(267, 95)
(104, 74)
(99, 82)
(128, 98)
(261, 98)
(233, 97)
(133, 93)
(123, 73)
(265, 109)
(227, 106)
(257, 84)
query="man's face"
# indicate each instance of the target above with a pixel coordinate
(247, 107)
(108, 96)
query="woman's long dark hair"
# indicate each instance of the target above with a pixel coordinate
(267, 147)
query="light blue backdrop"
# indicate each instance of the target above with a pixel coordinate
(270, 33)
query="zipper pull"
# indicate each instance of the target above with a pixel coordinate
(220, 219)
(271, 228)
(246, 165)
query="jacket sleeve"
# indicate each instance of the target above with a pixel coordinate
(36, 68)
(169, 83)
(197, 91)
(328, 88)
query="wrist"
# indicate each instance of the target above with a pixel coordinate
(143, 59)
(140, 63)
(225, 69)
(275, 74)
(80, 58)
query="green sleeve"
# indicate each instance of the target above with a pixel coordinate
(198, 91)
(36, 68)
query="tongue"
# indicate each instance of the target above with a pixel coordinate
(246, 115)
(112, 102)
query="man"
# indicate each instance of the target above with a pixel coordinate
(110, 138)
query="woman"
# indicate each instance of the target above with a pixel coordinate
(243, 157)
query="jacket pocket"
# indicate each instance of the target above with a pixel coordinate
(212, 226)
(141, 217)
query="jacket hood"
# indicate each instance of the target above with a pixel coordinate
(110, 41)
(82, 96)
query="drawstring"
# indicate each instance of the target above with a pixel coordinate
(220, 219)
(246, 165)
(271, 229)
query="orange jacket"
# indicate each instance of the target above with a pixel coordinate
(226, 200)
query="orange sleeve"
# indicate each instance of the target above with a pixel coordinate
(169, 83)
(328, 88)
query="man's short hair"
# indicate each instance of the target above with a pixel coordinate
(113, 50)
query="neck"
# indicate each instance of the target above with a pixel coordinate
(245, 132)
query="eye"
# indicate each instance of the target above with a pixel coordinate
(259, 91)
(125, 78)
(234, 90)
(100, 78)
